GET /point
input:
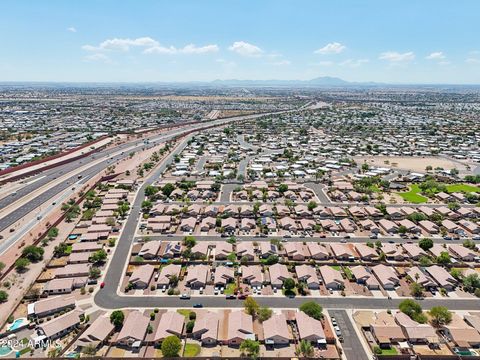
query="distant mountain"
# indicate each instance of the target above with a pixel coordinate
(322, 81)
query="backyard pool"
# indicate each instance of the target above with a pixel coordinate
(5, 350)
(17, 324)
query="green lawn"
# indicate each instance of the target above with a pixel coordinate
(348, 272)
(230, 289)
(413, 196)
(191, 350)
(462, 188)
(336, 267)
(184, 312)
(391, 351)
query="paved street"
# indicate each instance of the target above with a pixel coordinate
(351, 346)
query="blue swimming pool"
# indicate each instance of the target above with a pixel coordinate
(18, 323)
(5, 350)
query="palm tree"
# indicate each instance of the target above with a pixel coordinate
(305, 348)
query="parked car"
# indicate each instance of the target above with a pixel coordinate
(184, 297)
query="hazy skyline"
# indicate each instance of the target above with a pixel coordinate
(137, 41)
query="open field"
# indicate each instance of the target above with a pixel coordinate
(415, 164)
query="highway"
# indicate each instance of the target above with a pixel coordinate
(50, 175)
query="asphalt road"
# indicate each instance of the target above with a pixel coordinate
(352, 347)
(52, 174)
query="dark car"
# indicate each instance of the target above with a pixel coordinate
(197, 305)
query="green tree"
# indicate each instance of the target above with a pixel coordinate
(21, 264)
(116, 318)
(312, 309)
(167, 189)
(33, 253)
(94, 272)
(289, 284)
(251, 306)
(444, 258)
(60, 250)
(250, 348)
(150, 190)
(98, 256)
(425, 244)
(413, 310)
(471, 282)
(282, 188)
(416, 290)
(311, 205)
(171, 346)
(189, 241)
(264, 313)
(440, 316)
(305, 348)
(3, 296)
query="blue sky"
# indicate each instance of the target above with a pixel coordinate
(398, 41)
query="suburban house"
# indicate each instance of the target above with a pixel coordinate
(308, 275)
(318, 251)
(363, 276)
(275, 330)
(133, 330)
(197, 276)
(97, 333)
(386, 275)
(278, 274)
(206, 328)
(60, 326)
(50, 306)
(252, 275)
(442, 277)
(416, 333)
(171, 323)
(141, 276)
(223, 276)
(332, 278)
(310, 329)
(166, 274)
(240, 327)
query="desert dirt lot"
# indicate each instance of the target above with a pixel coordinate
(415, 164)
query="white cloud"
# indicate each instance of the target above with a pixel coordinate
(437, 55)
(323, 63)
(98, 57)
(354, 63)
(472, 60)
(331, 48)
(397, 57)
(281, 63)
(150, 46)
(245, 49)
(72, 29)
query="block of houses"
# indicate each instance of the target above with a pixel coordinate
(451, 227)
(276, 331)
(469, 226)
(171, 323)
(72, 270)
(386, 275)
(332, 278)
(64, 285)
